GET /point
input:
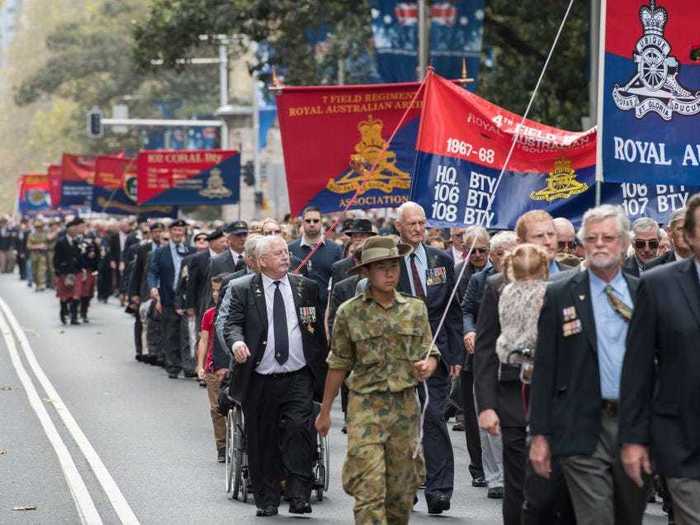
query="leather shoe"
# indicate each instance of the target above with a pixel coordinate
(495, 493)
(173, 375)
(221, 455)
(438, 503)
(299, 506)
(478, 482)
(266, 512)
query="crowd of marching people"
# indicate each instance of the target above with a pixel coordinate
(568, 358)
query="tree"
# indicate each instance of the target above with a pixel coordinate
(518, 35)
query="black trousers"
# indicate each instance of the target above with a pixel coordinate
(471, 425)
(437, 446)
(170, 324)
(138, 330)
(530, 499)
(281, 445)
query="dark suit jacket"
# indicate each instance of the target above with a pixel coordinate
(631, 267)
(464, 281)
(565, 400)
(137, 280)
(247, 321)
(660, 389)
(161, 274)
(342, 291)
(668, 257)
(197, 285)
(66, 259)
(449, 341)
(339, 270)
(497, 386)
(223, 263)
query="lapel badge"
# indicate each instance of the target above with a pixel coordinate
(582, 297)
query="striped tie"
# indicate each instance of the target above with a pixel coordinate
(618, 305)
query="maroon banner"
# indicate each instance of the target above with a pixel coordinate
(77, 178)
(335, 144)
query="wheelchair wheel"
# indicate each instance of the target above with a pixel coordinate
(238, 441)
(321, 467)
(229, 451)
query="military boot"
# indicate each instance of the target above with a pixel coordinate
(74, 312)
(84, 305)
(64, 312)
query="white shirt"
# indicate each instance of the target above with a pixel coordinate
(457, 255)
(697, 267)
(268, 363)
(122, 240)
(236, 256)
(421, 266)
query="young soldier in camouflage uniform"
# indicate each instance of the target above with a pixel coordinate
(38, 247)
(381, 339)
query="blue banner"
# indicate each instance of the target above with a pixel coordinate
(456, 30)
(650, 96)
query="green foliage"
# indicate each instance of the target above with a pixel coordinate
(518, 33)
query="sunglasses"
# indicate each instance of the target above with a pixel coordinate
(480, 251)
(312, 221)
(566, 244)
(640, 244)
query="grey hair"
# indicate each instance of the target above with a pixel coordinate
(251, 244)
(501, 238)
(602, 212)
(645, 224)
(262, 244)
(565, 222)
(409, 205)
(676, 216)
(475, 231)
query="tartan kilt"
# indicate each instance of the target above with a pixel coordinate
(88, 285)
(69, 293)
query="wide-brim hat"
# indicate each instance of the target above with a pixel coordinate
(378, 249)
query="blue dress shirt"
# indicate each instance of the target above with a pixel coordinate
(553, 267)
(421, 266)
(611, 332)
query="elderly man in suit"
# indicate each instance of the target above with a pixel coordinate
(679, 246)
(428, 273)
(163, 278)
(576, 382)
(528, 498)
(659, 410)
(275, 331)
(197, 299)
(646, 238)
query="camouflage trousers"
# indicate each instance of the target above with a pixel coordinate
(39, 267)
(380, 471)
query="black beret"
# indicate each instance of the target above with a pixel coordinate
(216, 234)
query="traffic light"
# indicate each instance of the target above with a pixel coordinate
(249, 173)
(94, 123)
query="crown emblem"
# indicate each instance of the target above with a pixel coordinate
(561, 183)
(655, 88)
(653, 19)
(216, 189)
(372, 166)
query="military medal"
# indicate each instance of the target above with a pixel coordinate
(569, 313)
(436, 276)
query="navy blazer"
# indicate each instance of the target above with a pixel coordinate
(449, 340)
(161, 274)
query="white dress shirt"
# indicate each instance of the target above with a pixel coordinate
(268, 363)
(236, 256)
(421, 266)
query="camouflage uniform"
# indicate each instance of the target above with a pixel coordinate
(38, 247)
(378, 347)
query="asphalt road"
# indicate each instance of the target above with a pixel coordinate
(146, 453)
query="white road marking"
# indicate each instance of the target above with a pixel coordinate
(121, 506)
(83, 502)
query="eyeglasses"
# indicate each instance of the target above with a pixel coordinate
(566, 244)
(312, 221)
(640, 244)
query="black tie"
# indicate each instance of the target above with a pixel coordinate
(279, 318)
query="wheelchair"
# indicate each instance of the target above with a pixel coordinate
(238, 481)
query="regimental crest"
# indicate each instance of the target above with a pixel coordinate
(655, 87)
(216, 189)
(372, 166)
(561, 183)
(129, 186)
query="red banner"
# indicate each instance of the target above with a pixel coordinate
(188, 177)
(334, 135)
(77, 178)
(55, 175)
